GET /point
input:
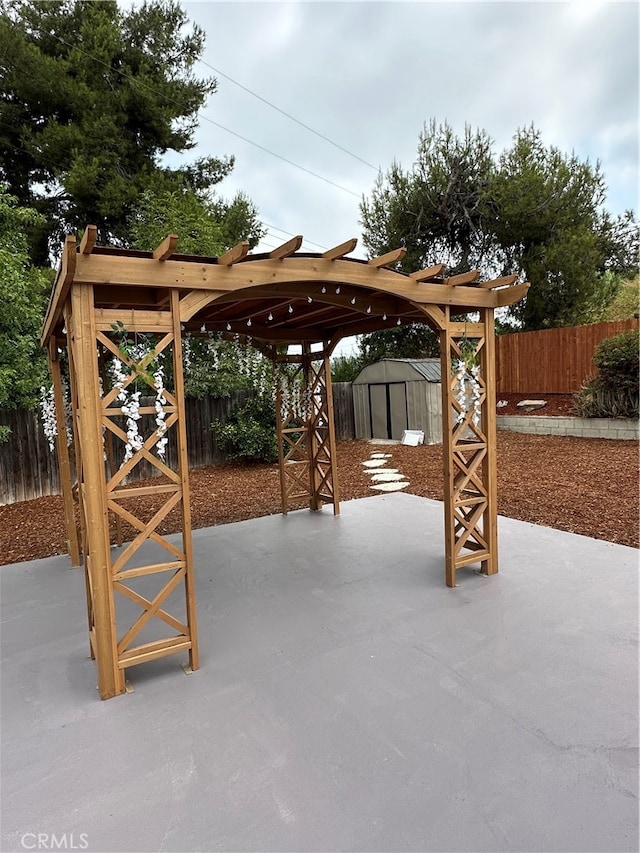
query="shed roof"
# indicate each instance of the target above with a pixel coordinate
(400, 369)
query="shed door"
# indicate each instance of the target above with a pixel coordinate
(398, 409)
(388, 409)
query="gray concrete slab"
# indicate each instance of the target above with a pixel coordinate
(347, 699)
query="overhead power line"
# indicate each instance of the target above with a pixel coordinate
(211, 121)
(289, 116)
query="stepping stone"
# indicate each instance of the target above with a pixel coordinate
(531, 404)
(381, 456)
(374, 463)
(374, 471)
(391, 487)
(387, 477)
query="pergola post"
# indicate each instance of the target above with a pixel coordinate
(102, 635)
(469, 444)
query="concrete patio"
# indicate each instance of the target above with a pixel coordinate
(347, 699)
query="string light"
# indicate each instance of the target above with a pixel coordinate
(203, 328)
(290, 309)
(309, 299)
(324, 289)
(228, 327)
(384, 316)
(353, 300)
(270, 317)
(249, 321)
(368, 309)
(337, 290)
(398, 321)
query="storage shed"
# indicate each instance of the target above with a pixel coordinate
(396, 394)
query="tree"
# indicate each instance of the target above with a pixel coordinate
(204, 225)
(93, 96)
(533, 211)
(23, 293)
(414, 341)
(549, 223)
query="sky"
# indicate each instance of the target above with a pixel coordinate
(369, 75)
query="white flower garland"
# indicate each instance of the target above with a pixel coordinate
(130, 408)
(161, 400)
(48, 414)
(465, 377)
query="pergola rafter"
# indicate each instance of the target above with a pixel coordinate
(272, 299)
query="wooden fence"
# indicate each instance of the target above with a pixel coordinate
(29, 470)
(553, 361)
(343, 410)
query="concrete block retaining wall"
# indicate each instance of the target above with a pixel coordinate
(620, 428)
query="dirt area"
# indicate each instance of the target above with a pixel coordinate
(587, 486)
(555, 404)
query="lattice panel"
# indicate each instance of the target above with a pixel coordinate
(468, 445)
(167, 496)
(292, 415)
(304, 418)
(320, 428)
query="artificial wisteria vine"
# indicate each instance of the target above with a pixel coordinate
(161, 401)
(48, 414)
(468, 385)
(130, 408)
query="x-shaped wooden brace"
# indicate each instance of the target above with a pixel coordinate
(150, 609)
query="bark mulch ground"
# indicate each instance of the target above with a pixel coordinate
(586, 486)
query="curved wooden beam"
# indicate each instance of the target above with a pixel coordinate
(131, 271)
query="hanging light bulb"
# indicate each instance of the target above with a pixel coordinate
(270, 317)
(337, 290)
(353, 300)
(398, 321)
(324, 289)
(228, 327)
(384, 316)
(249, 321)
(203, 328)
(368, 309)
(290, 309)
(309, 299)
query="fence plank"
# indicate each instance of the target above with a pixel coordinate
(343, 410)
(551, 361)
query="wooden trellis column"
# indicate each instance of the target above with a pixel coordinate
(305, 429)
(111, 574)
(469, 449)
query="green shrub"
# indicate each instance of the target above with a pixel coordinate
(613, 393)
(617, 360)
(250, 431)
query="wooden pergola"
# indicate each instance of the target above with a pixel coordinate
(279, 298)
